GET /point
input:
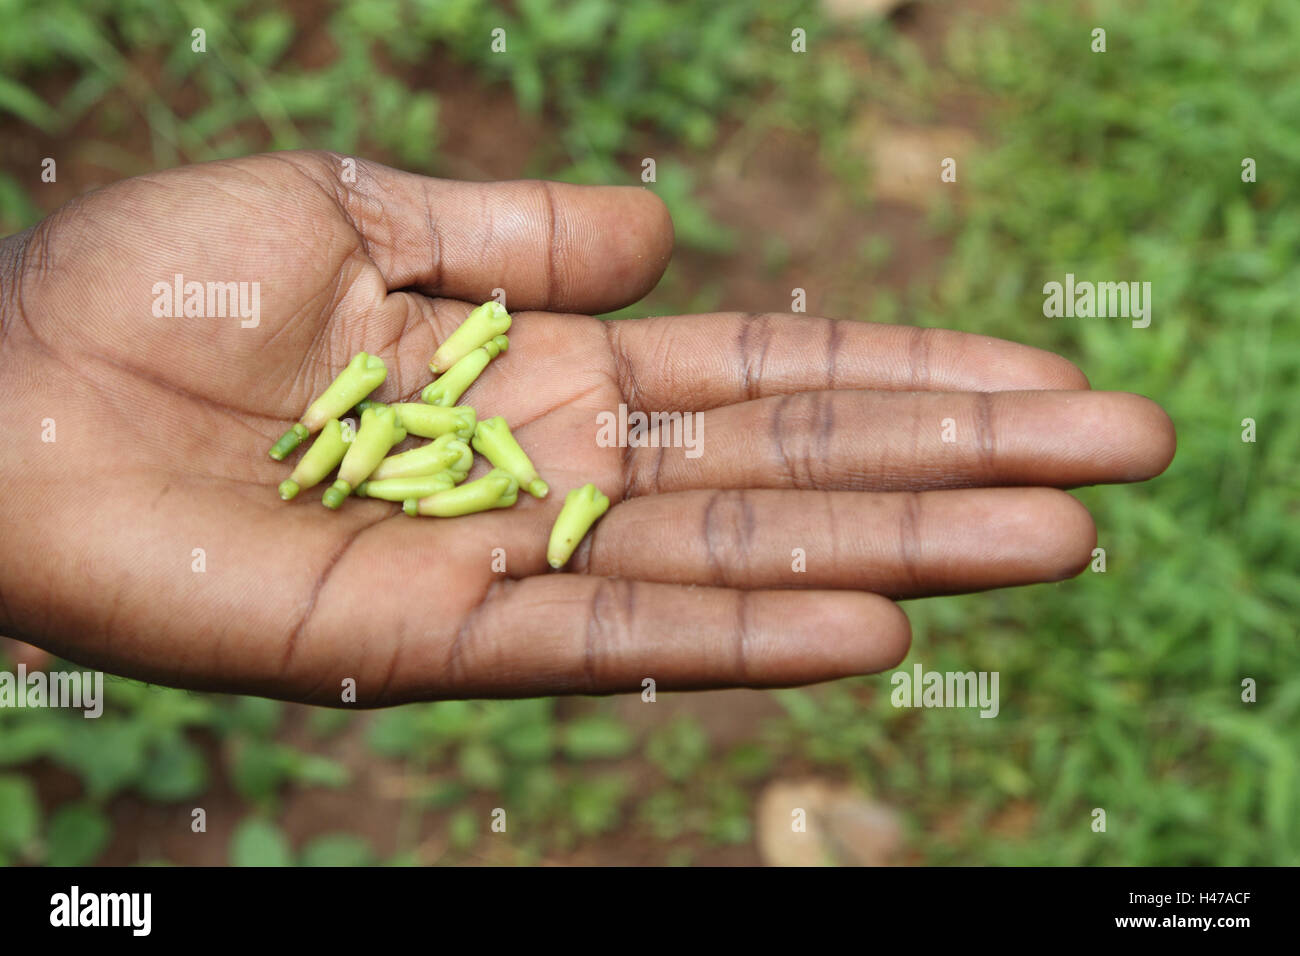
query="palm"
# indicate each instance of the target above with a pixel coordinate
(159, 492)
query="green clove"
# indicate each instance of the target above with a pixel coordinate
(482, 325)
(447, 389)
(496, 489)
(493, 440)
(362, 376)
(321, 458)
(400, 489)
(438, 455)
(379, 431)
(582, 508)
(434, 421)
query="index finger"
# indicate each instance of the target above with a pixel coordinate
(698, 362)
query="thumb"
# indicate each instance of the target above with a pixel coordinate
(551, 246)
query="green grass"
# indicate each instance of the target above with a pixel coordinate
(1123, 689)
(1120, 691)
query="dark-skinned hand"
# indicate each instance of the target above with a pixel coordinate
(819, 435)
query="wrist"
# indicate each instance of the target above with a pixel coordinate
(12, 253)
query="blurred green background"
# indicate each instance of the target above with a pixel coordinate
(1119, 690)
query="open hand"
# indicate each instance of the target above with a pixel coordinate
(147, 538)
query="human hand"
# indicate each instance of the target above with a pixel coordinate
(817, 435)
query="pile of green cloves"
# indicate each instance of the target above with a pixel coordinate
(430, 479)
